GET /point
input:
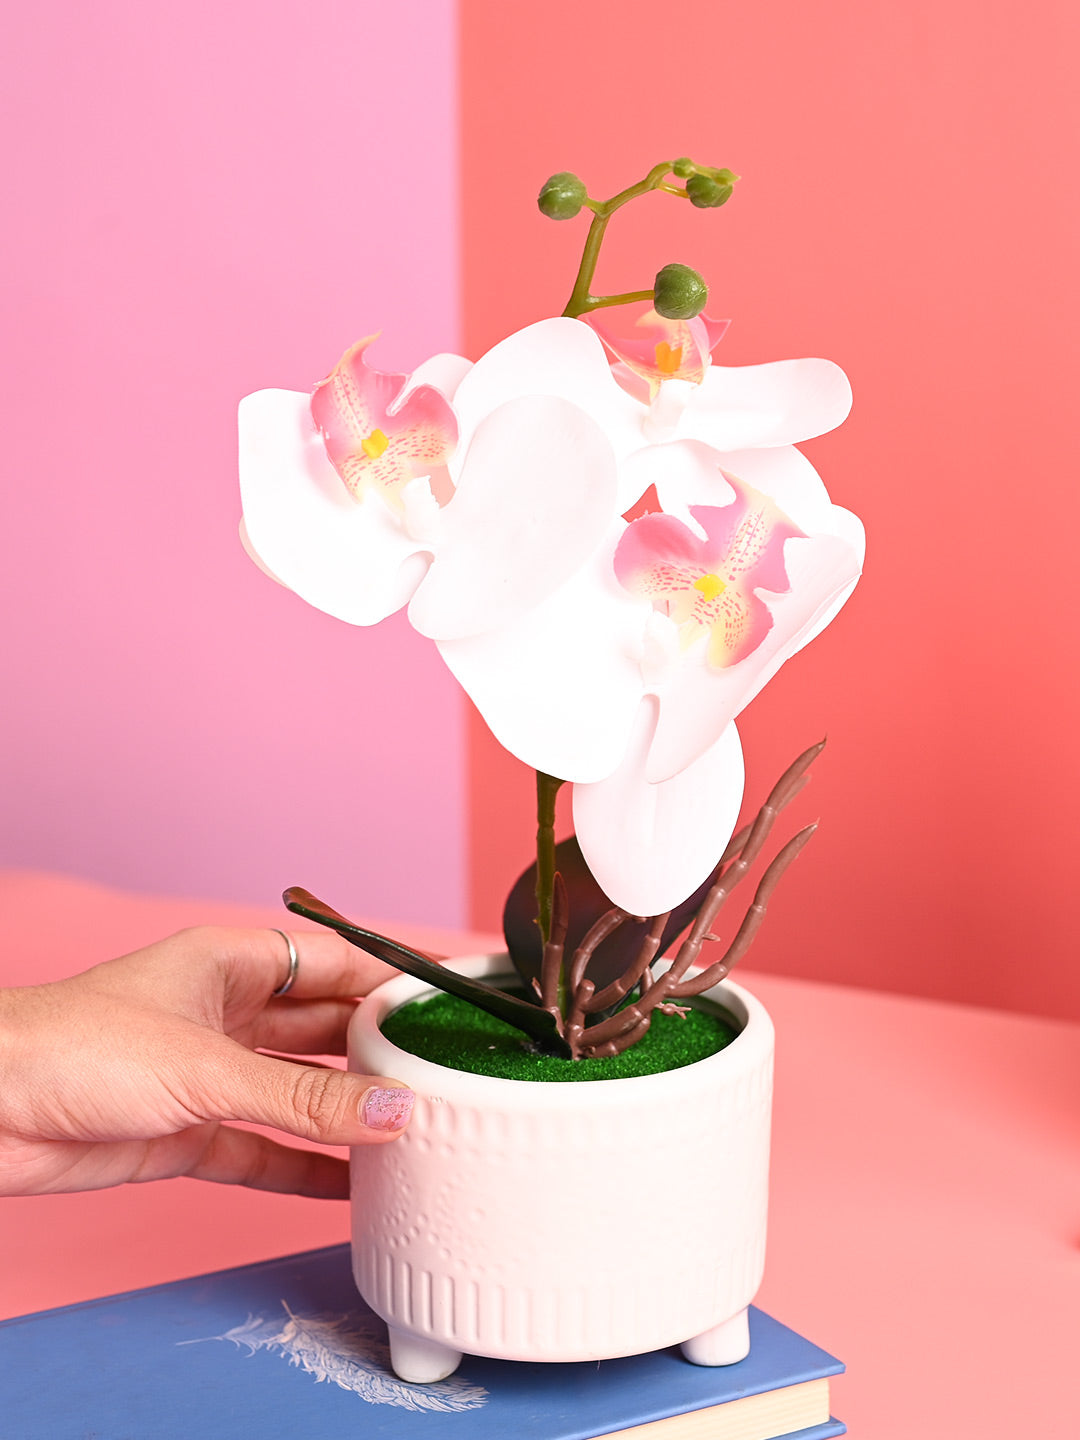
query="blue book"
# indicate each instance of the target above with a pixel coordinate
(287, 1350)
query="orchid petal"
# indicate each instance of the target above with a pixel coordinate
(635, 385)
(561, 686)
(377, 437)
(255, 557)
(351, 559)
(689, 472)
(706, 583)
(750, 406)
(659, 349)
(685, 474)
(666, 409)
(443, 373)
(783, 473)
(559, 357)
(698, 700)
(536, 495)
(649, 846)
(845, 526)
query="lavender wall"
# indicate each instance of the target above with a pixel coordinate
(204, 200)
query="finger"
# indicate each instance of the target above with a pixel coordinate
(256, 963)
(238, 1157)
(326, 963)
(302, 1027)
(331, 1106)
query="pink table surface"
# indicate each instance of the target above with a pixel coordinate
(925, 1221)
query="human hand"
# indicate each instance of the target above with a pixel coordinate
(125, 1073)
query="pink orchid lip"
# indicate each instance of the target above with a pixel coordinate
(373, 441)
(707, 585)
(661, 349)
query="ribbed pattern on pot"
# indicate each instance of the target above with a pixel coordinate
(461, 1228)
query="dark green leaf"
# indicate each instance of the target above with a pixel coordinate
(538, 1024)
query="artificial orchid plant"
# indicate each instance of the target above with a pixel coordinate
(614, 545)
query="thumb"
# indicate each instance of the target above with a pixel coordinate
(332, 1107)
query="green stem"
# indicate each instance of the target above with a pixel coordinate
(597, 302)
(580, 298)
(547, 787)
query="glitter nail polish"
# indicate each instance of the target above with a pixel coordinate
(387, 1109)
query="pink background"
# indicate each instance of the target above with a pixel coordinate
(210, 199)
(908, 208)
(206, 199)
(202, 200)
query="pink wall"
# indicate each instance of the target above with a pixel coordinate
(207, 199)
(909, 209)
(204, 199)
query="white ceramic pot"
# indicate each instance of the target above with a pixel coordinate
(541, 1221)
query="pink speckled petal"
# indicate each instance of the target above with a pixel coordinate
(653, 551)
(560, 687)
(535, 496)
(658, 349)
(650, 846)
(376, 436)
(698, 701)
(684, 474)
(352, 560)
(750, 406)
(743, 550)
(746, 539)
(634, 384)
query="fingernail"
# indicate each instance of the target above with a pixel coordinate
(387, 1109)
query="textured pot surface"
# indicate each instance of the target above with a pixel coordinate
(534, 1221)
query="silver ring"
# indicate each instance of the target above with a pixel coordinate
(294, 965)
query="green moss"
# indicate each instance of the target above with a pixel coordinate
(450, 1032)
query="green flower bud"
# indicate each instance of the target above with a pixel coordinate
(722, 177)
(679, 293)
(706, 193)
(562, 196)
(683, 167)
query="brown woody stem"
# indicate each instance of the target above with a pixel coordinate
(613, 993)
(750, 925)
(623, 1029)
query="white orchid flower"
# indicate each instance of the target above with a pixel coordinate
(373, 494)
(636, 404)
(626, 680)
(489, 500)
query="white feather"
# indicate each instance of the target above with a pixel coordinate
(351, 1351)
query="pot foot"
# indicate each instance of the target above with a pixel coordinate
(419, 1361)
(724, 1344)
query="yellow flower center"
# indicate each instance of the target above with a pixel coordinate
(374, 445)
(668, 357)
(710, 586)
